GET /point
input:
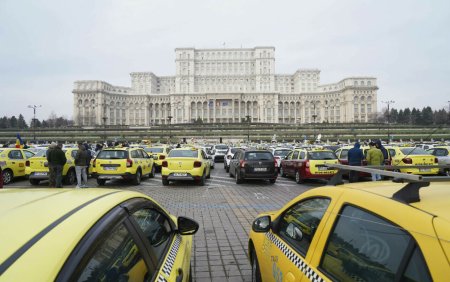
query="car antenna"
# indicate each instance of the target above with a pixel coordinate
(429, 135)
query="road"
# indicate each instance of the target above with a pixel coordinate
(224, 210)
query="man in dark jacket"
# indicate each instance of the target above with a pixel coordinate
(355, 157)
(56, 160)
(383, 150)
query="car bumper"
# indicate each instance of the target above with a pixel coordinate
(181, 176)
(126, 175)
(264, 176)
(38, 176)
(219, 158)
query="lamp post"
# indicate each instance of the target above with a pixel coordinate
(314, 121)
(34, 107)
(448, 112)
(170, 127)
(389, 117)
(248, 128)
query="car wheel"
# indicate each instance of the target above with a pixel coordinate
(272, 181)
(282, 172)
(165, 182)
(101, 182)
(298, 178)
(190, 273)
(256, 273)
(152, 173)
(137, 178)
(446, 172)
(70, 177)
(7, 176)
(237, 178)
(34, 181)
(227, 169)
(209, 175)
(201, 182)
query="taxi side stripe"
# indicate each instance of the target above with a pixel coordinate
(295, 259)
(17, 254)
(170, 260)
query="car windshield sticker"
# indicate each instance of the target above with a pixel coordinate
(295, 259)
(170, 260)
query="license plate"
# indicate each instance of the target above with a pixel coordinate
(260, 169)
(40, 173)
(424, 169)
(322, 168)
(109, 168)
(180, 174)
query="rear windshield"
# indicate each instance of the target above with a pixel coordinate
(221, 147)
(41, 153)
(281, 153)
(258, 156)
(154, 150)
(234, 150)
(321, 156)
(112, 155)
(183, 154)
(414, 151)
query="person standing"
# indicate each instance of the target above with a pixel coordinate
(56, 160)
(355, 157)
(51, 171)
(80, 166)
(1, 177)
(383, 150)
(374, 157)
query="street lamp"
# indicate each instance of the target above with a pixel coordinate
(34, 107)
(314, 119)
(170, 127)
(448, 112)
(248, 128)
(389, 115)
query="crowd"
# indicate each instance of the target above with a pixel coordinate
(377, 155)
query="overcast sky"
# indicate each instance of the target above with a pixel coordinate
(47, 45)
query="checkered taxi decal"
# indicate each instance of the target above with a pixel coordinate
(170, 260)
(297, 260)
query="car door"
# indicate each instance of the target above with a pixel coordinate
(145, 161)
(17, 161)
(234, 163)
(205, 162)
(293, 232)
(291, 168)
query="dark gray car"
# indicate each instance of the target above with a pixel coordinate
(254, 164)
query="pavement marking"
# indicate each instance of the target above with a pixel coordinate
(260, 196)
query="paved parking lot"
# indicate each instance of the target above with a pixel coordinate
(224, 211)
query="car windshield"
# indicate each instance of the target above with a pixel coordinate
(324, 155)
(258, 156)
(112, 155)
(414, 151)
(221, 147)
(183, 154)
(154, 150)
(281, 153)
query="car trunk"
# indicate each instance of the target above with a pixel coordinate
(262, 167)
(110, 166)
(180, 164)
(39, 165)
(318, 166)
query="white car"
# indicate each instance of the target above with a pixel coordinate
(218, 152)
(228, 156)
(207, 151)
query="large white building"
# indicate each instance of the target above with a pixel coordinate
(225, 86)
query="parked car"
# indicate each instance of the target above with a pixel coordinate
(442, 153)
(91, 235)
(13, 162)
(228, 156)
(308, 164)
(158, 153)
(122, 163)
(218, 152)
(369, 231)
(280, 154)
(253, 164)
(413, 156)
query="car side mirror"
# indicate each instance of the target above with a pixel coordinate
(294, 232)
(261, 224)
(187, 226)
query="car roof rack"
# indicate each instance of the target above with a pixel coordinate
(408, 194)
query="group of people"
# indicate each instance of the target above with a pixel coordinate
(56, 159)
(377, 155)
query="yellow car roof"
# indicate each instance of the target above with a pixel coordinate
(51, 222)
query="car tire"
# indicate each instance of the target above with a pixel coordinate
(101, 182)
(209, 175)
(71, 177)
(237, 178)
(190, 273)
(152, 172)
(165, 182)
(256, 273)
(282, 172)
(137, 178)
(298, 178)
(34, 181)
(272, 181)
(227, 169)
(7, 176)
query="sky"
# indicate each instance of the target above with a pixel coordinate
(47, 45)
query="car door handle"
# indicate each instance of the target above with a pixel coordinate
(180, 275)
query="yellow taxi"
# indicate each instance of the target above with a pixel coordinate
(158, 153)
(122, 163)
(186, 164)
(13, 162)
(413, 156)
(91, 235)
(371, 231)
(308, 164)
(37, 167)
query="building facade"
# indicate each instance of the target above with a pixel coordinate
(225, 86)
